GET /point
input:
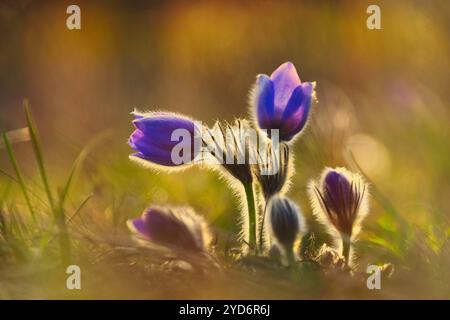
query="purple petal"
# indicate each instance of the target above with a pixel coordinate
(149, 150)
(153, 137)
(166, 228)
(335, 182)
(160, 129)
(337, 192)
(264, 101)
(294, 103)
(163, 125)
(285, 80)
(297, 111)
(134, 136)
(308, 88)
(138, 225)
(294, 124)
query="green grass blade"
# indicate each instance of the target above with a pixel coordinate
(19, 175)
(58, 213)
(3, 226)
(5, 194)
(68, 183)
(38, 153)
(76, 167)
(30, 191)
(81, 206)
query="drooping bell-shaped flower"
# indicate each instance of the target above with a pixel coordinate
(286, 223)
(282, 101)
(177, 228)
(340, 201)
(164, 138)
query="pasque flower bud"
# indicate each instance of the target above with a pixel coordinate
(286, 223)
(230, 149)
(178, 228)
(273, 170)
(340, 201)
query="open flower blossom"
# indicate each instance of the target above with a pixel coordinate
(340, 201)
(162, 138)
(177, 228)
(282, 101)
(286, 223)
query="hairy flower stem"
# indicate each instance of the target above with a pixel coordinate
(346, 243)
(290, 255)
(250, 196)
(261, 229)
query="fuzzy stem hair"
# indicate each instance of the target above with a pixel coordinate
(250, 197)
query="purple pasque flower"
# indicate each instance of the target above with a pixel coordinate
(340, 201)
(341, 198)
(177, 228)
(164, 138)
(282, 101)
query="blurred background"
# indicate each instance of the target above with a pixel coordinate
(382, 94)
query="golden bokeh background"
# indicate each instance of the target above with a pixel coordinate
(382, 94)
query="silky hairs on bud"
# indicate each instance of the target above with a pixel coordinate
(340, 202)
(285, 222)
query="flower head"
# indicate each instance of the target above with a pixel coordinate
(285, 221)
(282, 101)
(178, 228)
(340, 198)
(274, 170)
(230, 148)
(164, 138)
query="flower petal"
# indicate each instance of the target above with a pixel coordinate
(163, 125)
(336, 184)
(264, 101)
(285, 80)
(293, 126)
(294, 103)
(138, 225)
(166, 228)
(297, 111)
(149, 150)
(155, 140)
